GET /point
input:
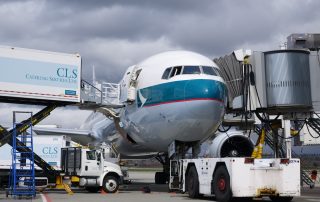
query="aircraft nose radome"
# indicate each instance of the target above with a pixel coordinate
(205, 90)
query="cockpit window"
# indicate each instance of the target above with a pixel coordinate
(208, 70)
(166, 73)
(176, 71)
(191, 70)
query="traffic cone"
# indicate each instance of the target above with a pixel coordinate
(103, 192)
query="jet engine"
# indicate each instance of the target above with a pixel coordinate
(232, 143)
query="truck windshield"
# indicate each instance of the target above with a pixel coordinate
(91, 155)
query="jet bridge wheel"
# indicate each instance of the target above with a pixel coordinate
(193, 183)
(281, 199)
(221, 185)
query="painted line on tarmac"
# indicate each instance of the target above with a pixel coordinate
(45, 198)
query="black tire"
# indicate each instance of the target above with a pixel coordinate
(242, 199)
(157, 178)
(221, 185)
(110, 184)
(193, 183)
(93, 189)
(160, 178)
(281, 198)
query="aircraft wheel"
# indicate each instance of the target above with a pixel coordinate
(281, 198)
(110, 184)
(221, 185)
(193, 183)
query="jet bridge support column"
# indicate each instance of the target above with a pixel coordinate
(287, 135)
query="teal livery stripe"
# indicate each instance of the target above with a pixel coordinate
(181, 91)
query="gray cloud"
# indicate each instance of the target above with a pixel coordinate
(112, 35)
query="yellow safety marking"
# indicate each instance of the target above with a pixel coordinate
(68, 189)
(258, 149)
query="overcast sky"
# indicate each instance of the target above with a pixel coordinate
(112, 35)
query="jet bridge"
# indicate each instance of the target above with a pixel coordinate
(279, 85)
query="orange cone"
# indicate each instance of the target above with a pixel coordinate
(103, 192)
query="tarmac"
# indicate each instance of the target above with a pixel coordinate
(134, 193)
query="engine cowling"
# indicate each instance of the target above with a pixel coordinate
(233, 143)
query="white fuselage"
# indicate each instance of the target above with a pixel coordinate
(179, 95)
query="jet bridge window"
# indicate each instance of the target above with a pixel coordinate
(166, 73)
(208, 70)
(217, 71)
(191, 70)
(91, 155)
(176, 71)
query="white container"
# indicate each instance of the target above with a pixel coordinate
(39, 75)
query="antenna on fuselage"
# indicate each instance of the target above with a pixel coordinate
(93, 75)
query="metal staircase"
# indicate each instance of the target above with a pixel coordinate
(7, 137)
(22, 182)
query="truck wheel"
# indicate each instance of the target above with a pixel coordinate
(110, 184)
(93, 189)
(281, 198)
(193, 183)
(221, 185)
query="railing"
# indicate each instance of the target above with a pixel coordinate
(110, 93)
(90, 93)
(100, 93)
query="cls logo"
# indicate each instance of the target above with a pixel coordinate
(50, 150)
(67, 73)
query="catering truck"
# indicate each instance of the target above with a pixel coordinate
(33, 75)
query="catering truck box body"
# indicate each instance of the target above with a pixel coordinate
(47, 147)
(39, 75)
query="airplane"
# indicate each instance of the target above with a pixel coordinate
(171, 96)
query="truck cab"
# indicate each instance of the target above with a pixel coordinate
(92, 169)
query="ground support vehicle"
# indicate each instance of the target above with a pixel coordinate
(244, 178)
(88, 168)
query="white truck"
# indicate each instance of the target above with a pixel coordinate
(91, 169)
(39, 75)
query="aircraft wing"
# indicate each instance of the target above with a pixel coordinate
(82, 137)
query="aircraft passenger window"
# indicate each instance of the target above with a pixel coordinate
(176, 71)
(166, 73)
(191, 70)
(91, 155)
(208, 70)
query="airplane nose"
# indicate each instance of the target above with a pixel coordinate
(205, 90)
